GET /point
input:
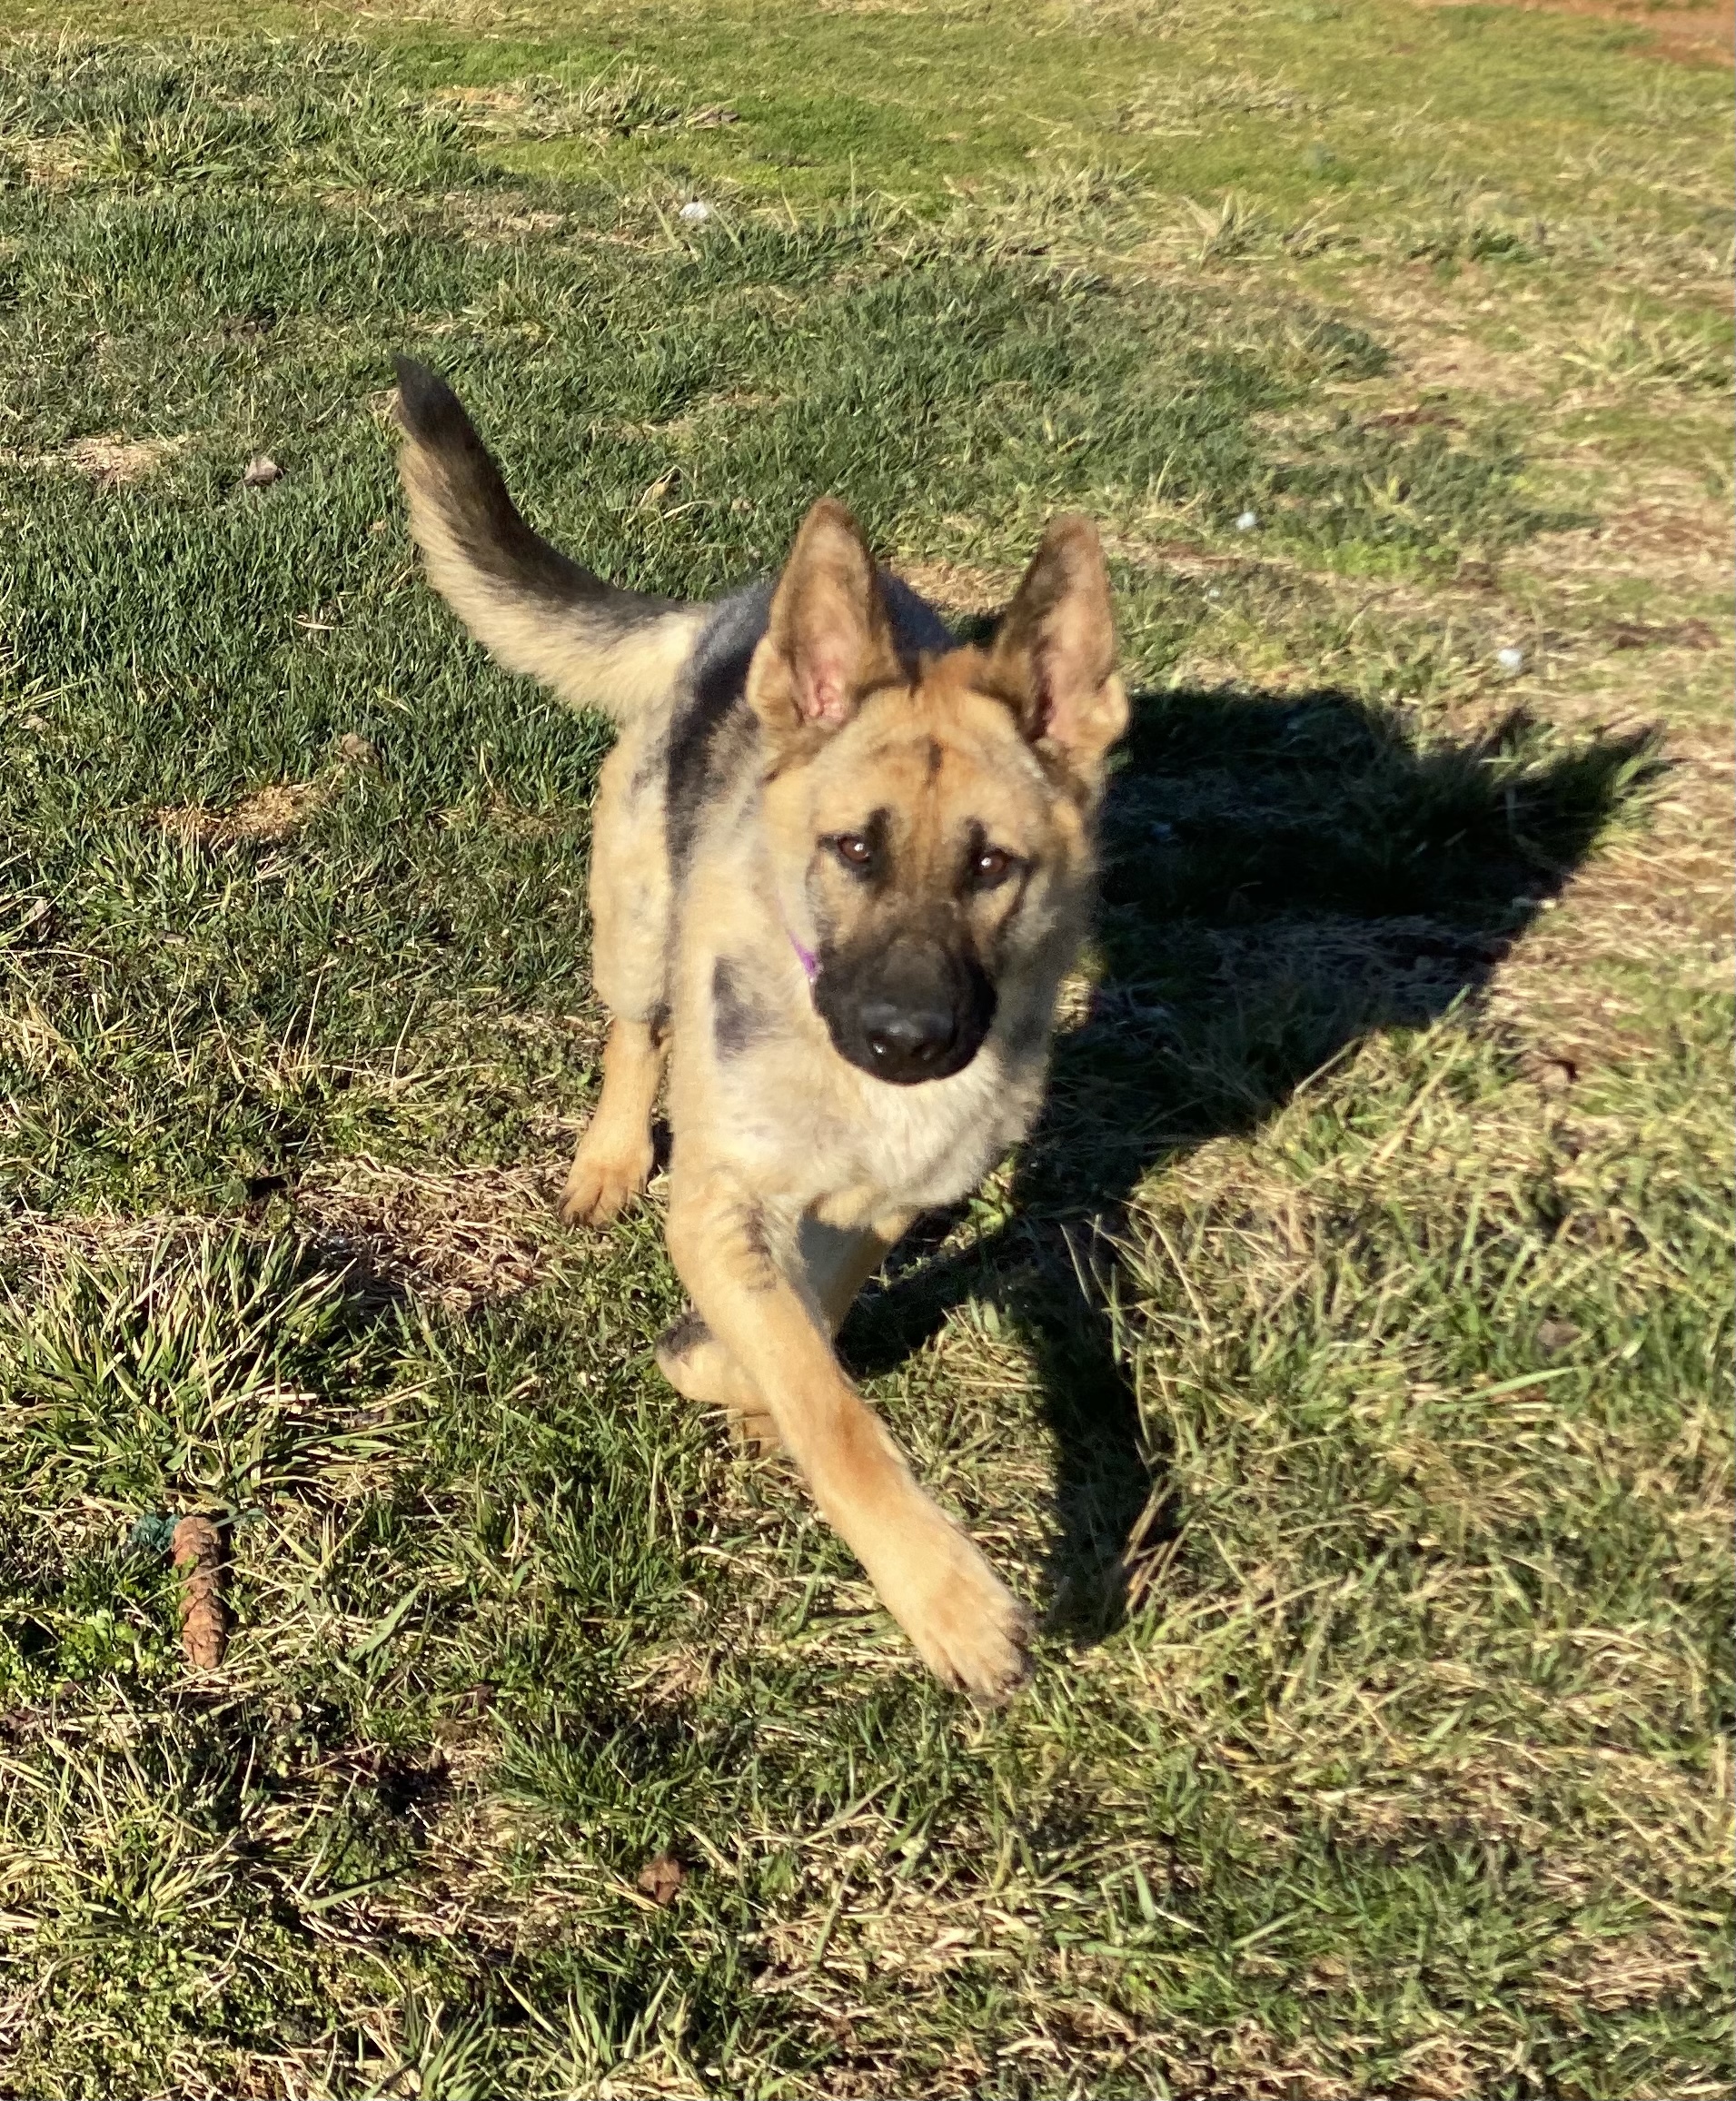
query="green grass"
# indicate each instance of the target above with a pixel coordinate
(1343, 1368)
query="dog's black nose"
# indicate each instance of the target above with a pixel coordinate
(907, 1041)
(905, 1011)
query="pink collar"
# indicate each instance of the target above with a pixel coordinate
(806, 958)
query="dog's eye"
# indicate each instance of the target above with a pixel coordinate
(853, 849)
(989, 867)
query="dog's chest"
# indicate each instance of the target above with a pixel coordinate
(842, 1139)
(933, 1144)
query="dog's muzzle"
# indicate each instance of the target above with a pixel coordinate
(913, 1012)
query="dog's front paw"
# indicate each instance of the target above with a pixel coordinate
(967, 1625)
(755, 1434)
(600, 1184)
(699, 1367)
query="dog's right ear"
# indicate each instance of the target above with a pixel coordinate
(1054, 657)
(829, 640)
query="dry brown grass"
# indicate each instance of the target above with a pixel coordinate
(457, 1239)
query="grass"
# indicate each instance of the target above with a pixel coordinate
(1344, 1367)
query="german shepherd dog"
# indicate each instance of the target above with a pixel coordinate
(840, 865)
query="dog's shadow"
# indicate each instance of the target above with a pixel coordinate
(1281, 876)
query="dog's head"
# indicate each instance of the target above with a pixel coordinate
(930, 816)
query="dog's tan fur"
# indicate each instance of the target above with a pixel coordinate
(623, 675)
(726, 922)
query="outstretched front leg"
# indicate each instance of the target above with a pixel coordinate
(613, 1161)
(737, 1261)
(834, 1264)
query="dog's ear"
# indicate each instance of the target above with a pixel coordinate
(829, 640)
(1053, 659)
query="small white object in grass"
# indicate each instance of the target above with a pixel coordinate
(261, 472)
(1247, 521)
(1510, 660)
(695, 210)
(1214, 592)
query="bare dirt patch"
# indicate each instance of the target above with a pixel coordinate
(1686, 35)
(114, 463)
(106, 458)
(263, 817)
(462, 1237)
(1667, 531)
(272, 814)
(960, 587)
(504, 215)
(1689, 35)
(1462, 363)
(267, 818)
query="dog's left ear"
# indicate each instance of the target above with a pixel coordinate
(828, 641)
(1053, 659)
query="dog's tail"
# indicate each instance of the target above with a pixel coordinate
(536, 610)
